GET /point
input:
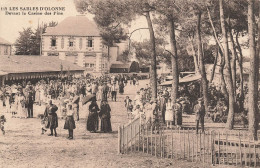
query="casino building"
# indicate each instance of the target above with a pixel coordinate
(76, 39)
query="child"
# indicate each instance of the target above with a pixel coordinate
(2, 122)
(43, 122)
(69, 122)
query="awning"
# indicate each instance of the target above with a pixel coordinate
(186, 79)
(2, 73)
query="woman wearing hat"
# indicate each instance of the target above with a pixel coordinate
(105, 117)
(92, 122)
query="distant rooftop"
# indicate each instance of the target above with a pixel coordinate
(5, 42)
(74, 26)
(26, 64)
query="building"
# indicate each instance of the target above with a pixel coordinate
(76, 39)
(33, 68)
(5, 47)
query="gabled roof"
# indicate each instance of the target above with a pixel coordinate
(74, 26)
(119, 66)
(26, 64)
(3, 41)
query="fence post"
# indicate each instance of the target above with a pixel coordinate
(143, 137)
(255, 153)
(188, 144)
(227, 157)
(240, 150)
(134, 137)
(204, 148)
(192, 145)
(212, 141)
(147, 138)
(131, 138)
(119, 139)
(180, 142)
(151, 141)
(183, 143)
(218, 148)
(172, 141)
(244, 135)
(126, 131)
(249, 164)
(139, 139)
(123, 139)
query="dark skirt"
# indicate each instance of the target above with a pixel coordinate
(69, 123)
(106, 125)
(92, 122)
(178, 118)
(52, 121)
(121, 89)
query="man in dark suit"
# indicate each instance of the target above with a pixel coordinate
(199, 110)
(30, 101)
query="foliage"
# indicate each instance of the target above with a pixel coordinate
(29, 41)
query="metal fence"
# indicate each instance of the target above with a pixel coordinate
(209, 147)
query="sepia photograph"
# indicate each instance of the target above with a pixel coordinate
(129, 83)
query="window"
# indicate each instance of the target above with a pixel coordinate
(53, 42)
(62, 43)
(80, 43)
(92, 65)
(90, 43)
(86, 65)
(71, 44)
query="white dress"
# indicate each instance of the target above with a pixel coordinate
(21, 110)
(169, 112)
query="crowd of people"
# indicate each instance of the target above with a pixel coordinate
(66, 95)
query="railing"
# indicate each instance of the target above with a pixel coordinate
(210, 147)
(128, 135)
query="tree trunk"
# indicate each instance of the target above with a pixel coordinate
(233, 61)
(194, 55)
(174, 59)
(253, 73)
(204, 81)
(153, 79)
(240, 63)
(228, 79)
(214, 66)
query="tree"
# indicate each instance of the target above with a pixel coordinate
(29, 41)
(24, 42)
(228, 79)
(253, 73)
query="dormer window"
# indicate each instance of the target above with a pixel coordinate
(90, 42)
(53, 42)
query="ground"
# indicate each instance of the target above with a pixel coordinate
(24, 146)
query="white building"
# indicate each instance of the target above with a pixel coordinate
(5, 47)
(76, 39)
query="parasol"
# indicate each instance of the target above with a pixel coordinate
(88, 98)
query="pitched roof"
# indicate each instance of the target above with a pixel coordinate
(74, 26)
(119, 66)
(3, 41)
(26, 64)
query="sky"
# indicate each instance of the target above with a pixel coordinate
(11, 23)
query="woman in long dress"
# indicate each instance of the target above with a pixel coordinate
(169, 114)
(100, 92)
(21, 110)
(105, 117)
(92, 122)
